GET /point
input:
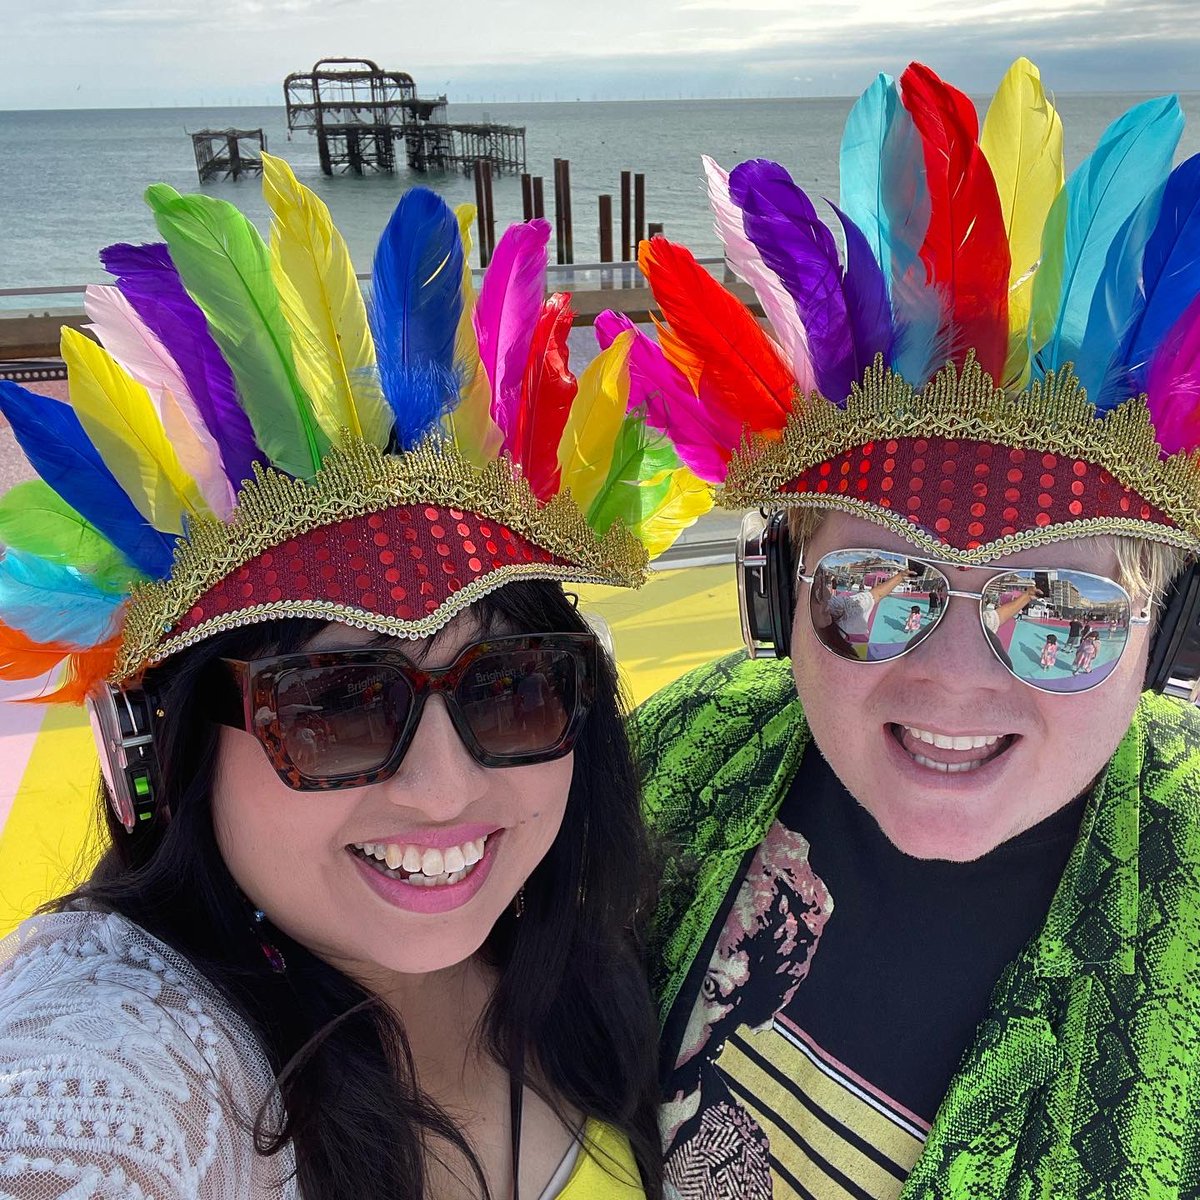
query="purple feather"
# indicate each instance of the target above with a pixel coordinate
(797, 245)
(866, 294)
(149, 281)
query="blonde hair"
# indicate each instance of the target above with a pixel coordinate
(1144, 568)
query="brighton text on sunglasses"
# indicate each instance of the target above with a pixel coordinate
(944, 745)
(432, 831)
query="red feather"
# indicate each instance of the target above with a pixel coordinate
(740, 369)
(23, 658)
(547, 390)
(966, 252)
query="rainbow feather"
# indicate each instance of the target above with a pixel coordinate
(324, 310)
(416, 302)
(585, 452)
(59, 450)
(127, 338)
(226, 269)
(119, 416)
(747, 263)
(148, 279)
(1022, 139)
(1130, 162)
(474, 432)
(704, 435)
(506, 313)
(52, 603)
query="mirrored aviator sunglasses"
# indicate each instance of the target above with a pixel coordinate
(345, 718)
(1058, 630)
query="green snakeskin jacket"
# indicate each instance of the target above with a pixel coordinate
(1084, 1077)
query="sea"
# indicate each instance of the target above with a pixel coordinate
(71, 181)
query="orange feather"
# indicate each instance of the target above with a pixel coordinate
(741, 369)
(23, 658)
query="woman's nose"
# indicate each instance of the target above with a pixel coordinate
(438, 774)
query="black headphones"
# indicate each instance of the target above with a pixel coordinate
(766, 577)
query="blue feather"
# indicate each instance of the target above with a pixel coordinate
(861, 163)
(1170, 270)
(53, 603)
(416, 302)
(1114, 307)
(59, 450)
(1130, 162)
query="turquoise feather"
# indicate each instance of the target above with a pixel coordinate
(1131, 161)
(52, 603)
(861, 166)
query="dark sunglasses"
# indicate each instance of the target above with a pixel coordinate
(1056, 629)
(345, 718)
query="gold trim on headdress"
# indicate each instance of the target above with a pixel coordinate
(357, 479)
(1054, 415)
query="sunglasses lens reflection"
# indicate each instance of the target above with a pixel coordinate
(870, 606)
(1059, 630)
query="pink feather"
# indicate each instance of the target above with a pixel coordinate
(129, 340)
(506, 312)
(1173, 385)
(747, 264)
(704, 435)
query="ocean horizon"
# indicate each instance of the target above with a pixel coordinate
(71, 180)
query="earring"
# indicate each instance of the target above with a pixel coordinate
(518, 904)
(270, 951)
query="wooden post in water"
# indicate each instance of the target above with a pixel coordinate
(539, 198)
(560, 241)
(639, 210)
(526, 197)
(654, 229)
(606, 229)
(568, 236)
(481, 213)
(491, 212)
(625, 215)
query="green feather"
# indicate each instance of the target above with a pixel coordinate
(226, 269)
(35, 519)
(639, 478)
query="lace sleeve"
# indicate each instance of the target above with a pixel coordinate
(118, 1079)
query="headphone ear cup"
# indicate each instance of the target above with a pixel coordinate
(781, 583)
(122, 727)
(1175, 649)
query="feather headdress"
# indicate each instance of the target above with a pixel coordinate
(993, 357)
(248, 438)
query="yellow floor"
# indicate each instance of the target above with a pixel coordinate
(679, 620)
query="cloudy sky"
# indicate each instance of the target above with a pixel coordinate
(108, 53)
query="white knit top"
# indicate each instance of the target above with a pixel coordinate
(123, 1075)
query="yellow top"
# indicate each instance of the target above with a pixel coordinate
(604, 1169)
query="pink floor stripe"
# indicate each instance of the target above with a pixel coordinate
(19, 725)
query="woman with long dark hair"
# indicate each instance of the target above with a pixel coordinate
(368, 920)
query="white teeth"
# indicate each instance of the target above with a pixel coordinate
(946, 741)
(427, 866)
(948, 768)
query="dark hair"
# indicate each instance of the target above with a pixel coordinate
(572, 999)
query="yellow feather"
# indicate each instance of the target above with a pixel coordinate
(478, 437)
(119, 416)
(688, 498)
(323, 306)
(586, 449)
(1022, 139)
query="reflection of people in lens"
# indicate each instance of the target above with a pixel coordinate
(852, 613)
(1049, 651)
(995, 615)
(1085, 656)
(913, 623)
(1073, 631)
